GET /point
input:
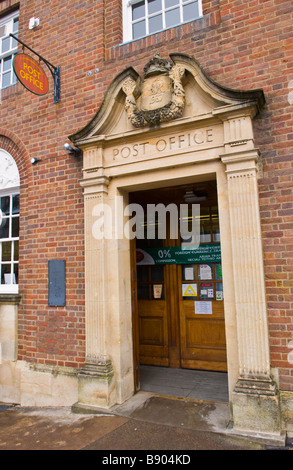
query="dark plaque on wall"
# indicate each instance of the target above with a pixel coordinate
(56, 271)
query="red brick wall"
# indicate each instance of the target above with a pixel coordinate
(241, 45)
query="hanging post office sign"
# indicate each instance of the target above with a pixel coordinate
(30, 74)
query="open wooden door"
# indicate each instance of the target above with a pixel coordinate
(179, 317)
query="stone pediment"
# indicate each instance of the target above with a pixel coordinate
(177, 94)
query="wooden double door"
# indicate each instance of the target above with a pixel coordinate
(178, 303)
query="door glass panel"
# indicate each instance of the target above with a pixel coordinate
(206, 291)
(189, 272)
(142, 292)
(219, 291)
(215, 224)
(157, 273)
(218, 272)
(142, 274)
(205, 225)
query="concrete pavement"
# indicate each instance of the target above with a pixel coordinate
(145, 422)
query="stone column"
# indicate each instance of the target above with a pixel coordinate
(255, 397)
(96, 378)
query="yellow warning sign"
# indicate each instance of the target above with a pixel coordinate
(189, 290)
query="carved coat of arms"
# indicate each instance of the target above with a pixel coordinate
(159, 97)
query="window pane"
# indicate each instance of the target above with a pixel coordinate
(4, 228)
(138, 11)
(5, 205)
(15, 204)
(14, 42)
(15, 227)
(13, 81)
(15, 25)
(6, 79)
(15, 270)
(5, 44)
(171, 3)
(154, 5)
(172, 17)
(139, 29)
(16, 250)
(6, 251)
(2, 31)
(190, 11)
(155, 23)
(6, 274)
(7, 63)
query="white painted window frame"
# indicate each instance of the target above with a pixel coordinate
(127, 18)
(7, 21)
(10, 189)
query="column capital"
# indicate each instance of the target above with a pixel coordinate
(246, 162)
(95, 184)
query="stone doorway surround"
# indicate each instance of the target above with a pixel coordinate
(211, 139)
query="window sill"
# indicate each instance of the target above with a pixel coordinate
(10, 299)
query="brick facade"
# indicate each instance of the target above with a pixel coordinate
(240, 45)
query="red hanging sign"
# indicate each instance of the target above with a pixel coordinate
(30, 74)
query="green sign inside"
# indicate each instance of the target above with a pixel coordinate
(176, 255)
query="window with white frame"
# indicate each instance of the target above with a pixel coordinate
(8, 48)
(144, 17)
(9, 224)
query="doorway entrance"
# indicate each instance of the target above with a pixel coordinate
(178, 306)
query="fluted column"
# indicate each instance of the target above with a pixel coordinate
(254, 358)
(255, 398)
(96, 378)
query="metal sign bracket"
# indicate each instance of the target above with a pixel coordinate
(55, 71)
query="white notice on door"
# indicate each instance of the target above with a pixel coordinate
(203, 308)
(205, 272)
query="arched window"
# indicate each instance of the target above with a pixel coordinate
(9, 223)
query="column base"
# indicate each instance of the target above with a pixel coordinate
(256, 409)
(96, 384)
